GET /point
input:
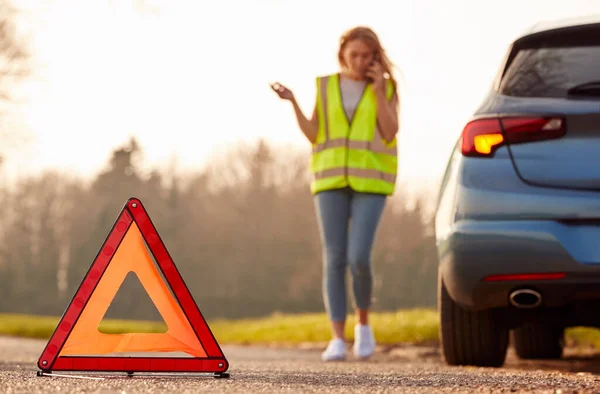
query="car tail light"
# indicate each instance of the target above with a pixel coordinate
(481, 137)
(525, 277)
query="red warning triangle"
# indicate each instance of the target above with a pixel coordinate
(78, 345)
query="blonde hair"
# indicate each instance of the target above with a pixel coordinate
(370, 38)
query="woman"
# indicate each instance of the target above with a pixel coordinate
(353, 132)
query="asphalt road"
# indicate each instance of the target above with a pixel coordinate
(402, 369)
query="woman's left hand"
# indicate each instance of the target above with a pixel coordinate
(377, 75)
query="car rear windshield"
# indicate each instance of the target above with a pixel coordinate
(550, 72)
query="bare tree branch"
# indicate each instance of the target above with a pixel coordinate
(14, 64)
(14, 56)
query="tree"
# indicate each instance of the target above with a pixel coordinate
(95, 217)
(14, 65)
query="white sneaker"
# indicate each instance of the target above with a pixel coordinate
(336, 350)
(364, 341)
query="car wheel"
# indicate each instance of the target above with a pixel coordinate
(477, 338)
(536, 340)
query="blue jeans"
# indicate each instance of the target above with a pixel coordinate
(348, 223)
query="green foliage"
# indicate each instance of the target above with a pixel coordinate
(405, 326)
(414, 326)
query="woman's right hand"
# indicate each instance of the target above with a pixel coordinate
(282, 91)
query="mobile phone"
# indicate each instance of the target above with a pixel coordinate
(375, 58)
(369, 79)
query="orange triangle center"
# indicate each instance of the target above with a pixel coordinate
(131, 306)
(131, 255)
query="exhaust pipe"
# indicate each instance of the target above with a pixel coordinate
(525, 298)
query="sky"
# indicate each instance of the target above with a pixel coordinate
(189, 79)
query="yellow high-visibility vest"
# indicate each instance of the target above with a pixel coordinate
(351, 153)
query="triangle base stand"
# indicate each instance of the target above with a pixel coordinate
(223, 375)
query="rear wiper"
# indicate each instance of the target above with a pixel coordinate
(591, 88)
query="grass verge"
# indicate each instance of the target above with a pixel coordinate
(416, 326)
(406, 326)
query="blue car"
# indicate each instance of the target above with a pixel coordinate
(518, 214)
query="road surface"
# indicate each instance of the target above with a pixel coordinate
(408, 369)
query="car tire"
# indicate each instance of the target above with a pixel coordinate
(537, 340)
(478, 338)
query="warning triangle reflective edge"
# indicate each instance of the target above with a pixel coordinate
(212, 358)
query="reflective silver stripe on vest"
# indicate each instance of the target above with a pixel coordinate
(324, 102)
(376, 146)
(357, 172)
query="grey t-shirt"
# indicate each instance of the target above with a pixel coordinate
(352, 92)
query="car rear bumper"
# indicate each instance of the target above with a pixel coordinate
(476, 250)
